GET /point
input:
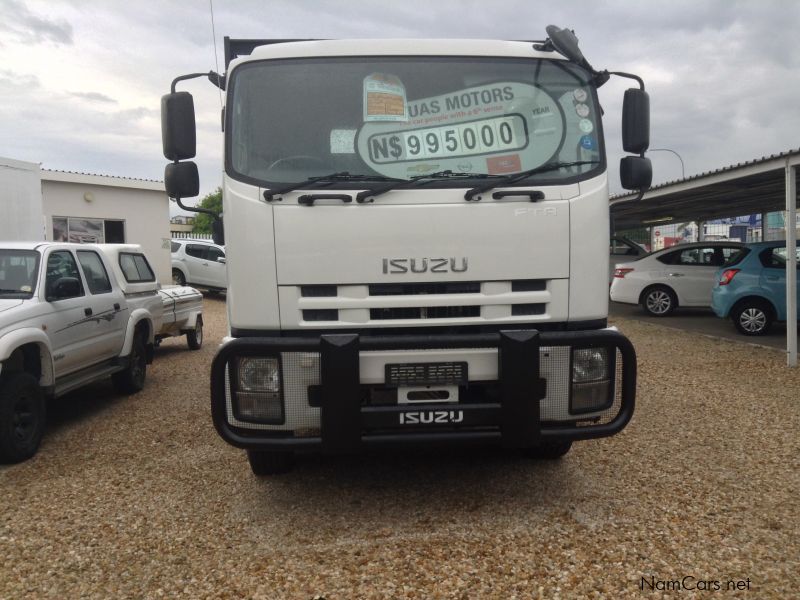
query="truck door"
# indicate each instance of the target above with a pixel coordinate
(67, 321)
(692, 275)
(197, 264)
(216, 270)
(107, 305)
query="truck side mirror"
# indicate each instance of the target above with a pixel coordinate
(182, 180)
(218, 233)
(178, 135)
(636, 121)
(66, 287)
(635, 172)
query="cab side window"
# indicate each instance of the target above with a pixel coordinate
(61, 264)
(215, 253)
(196, 250)
(94, 271)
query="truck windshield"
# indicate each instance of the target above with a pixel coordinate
(291, 119)
(18, 270)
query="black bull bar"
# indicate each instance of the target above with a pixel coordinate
(346, 424)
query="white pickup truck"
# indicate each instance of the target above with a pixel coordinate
(71, 314)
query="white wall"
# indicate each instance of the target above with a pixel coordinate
(145, 211)
(20, 201)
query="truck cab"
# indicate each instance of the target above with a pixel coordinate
(417, 238)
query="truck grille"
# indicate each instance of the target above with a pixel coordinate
(430, 303)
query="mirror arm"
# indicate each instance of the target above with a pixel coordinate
(628, 76)
(215, 78)
(196, 209)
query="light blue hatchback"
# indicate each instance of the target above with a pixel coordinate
(751, 288)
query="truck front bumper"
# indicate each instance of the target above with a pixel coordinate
(515, 415)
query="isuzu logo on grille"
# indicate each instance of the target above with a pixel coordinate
(393, 266)
(426, 417)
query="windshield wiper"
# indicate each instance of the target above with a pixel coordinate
(509, 179)
(419, 180)
(269, 195)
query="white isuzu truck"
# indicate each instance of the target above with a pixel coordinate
(417, 244)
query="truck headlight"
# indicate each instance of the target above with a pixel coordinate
(592, 380)
(257, 397)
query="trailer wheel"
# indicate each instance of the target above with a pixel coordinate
(194, 337)
(549, 450)
(22, 417)
(131, 379)
(264, 462)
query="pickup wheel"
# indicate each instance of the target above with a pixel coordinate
(195, 337)
(549, 450)
(263, 462)
(22, 417)
(177, 277)
(131, 379)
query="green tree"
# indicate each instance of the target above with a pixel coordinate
(213, 201)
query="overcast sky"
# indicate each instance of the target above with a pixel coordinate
(81, 81)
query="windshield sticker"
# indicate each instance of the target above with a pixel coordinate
(343, 141)
(580, 95)
(588, 143)
(586, 126)
(25, 288)
(384, 98)
(454, 129)
(499, 165)
(582, 110)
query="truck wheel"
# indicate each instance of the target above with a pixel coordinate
(549, 450)
(659, 301)
(131, 379)
(177, 277)
(195, 337)
(752, 317)
(22, 417)
(264, 462)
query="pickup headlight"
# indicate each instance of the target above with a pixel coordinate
(592, 380)
(257, 397)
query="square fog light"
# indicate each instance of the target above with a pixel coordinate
(258, 396)
(592, 387)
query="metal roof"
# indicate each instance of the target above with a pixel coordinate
(99, 179)
(746, 188)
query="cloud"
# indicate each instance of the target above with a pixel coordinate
(94, 97)
(24, 26)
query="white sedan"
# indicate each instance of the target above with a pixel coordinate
(682, 275)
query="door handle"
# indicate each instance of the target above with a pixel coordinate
(87, 312)
(772, 278)
(676, 274)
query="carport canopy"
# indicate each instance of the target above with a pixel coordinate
(759, 186)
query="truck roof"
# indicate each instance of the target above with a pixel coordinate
(267, 49)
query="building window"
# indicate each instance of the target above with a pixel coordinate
(88, 231)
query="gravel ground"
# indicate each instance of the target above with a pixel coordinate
(139, 497)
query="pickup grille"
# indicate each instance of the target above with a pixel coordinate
(429, 303)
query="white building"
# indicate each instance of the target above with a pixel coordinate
(82, 207)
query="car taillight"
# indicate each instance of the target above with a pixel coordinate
(727, 276)
(621, 272)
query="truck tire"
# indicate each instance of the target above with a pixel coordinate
(549, 450)
(22, 417)
(194, 337)
(131, 379)
(265, 462)
(177, 277)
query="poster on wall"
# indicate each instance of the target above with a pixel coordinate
(86, 231)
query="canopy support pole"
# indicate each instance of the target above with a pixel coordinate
(791, 264)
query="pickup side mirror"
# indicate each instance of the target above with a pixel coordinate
(635, 173)
(66, 287)
(182, 180)
(222, 260)
(636, 121)
(178, 135)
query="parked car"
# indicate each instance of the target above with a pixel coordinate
(66, 321)
(751, 289)
(682, 275)
(621, 249)
(199, 263)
